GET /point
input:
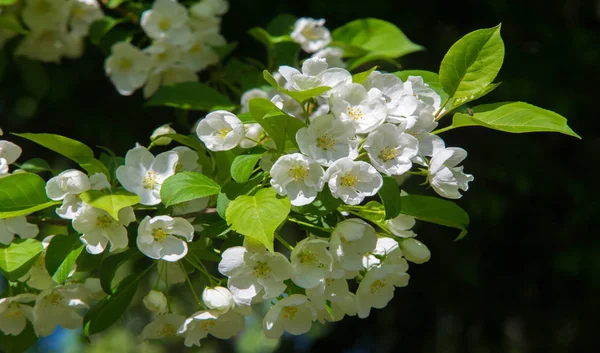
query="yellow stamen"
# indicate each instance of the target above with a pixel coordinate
(326, 142)
(298, 173)
(289, 312)
(169, 331)
(224, 131)
(377, 286)
(349, 180)
(208, 324)
(103, 221)
(164, 24)
(125, 64)
(150, 181)
(355, 113)
(388, 153)
(262, 270)
(159, 234)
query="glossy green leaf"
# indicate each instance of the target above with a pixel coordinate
(110, 200)
(22, 194)
(299, 96)
(231, 190)
(101, 27)
(362, 77)
(11, 22)
(472, 63)
(36, 165)
(515, 117)
(190, 96)
(187, 186)
(280, 126)
(112, 4)
(377, 38)
(390, 196)
(457, 102)
(242, 167)
(72, 149)
(61, 254)
(110, 265)
(430, 78)
(436, 210)
(258, 216)
(17, 258)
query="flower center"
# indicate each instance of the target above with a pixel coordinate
(262, 270)
(159, 234)
(169, 331)
(224, 131)
(298, 173)
(103, 221)
(355, 113)
(42, 7)
(55, 299)
(388, 153)
(196, 48)
(208, 324)
(78, 11)
(307, 257)
(150, 181)
(310, 33)
(377, 286)
(164, 24)
(326, 141)
(13, 311)
(349, 180)
(125, 64)
(289, 312)
(329, 281)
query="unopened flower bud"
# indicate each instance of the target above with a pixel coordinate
(415, 251)
(218, 298)
(156, 302)
(162, 130)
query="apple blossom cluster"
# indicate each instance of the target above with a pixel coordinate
(57, 28)
(182, 44)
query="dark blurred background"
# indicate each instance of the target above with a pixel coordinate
(527, 277)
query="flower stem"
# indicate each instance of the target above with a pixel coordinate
(284, 242)
(308, 225)
(187, 278)
(447, 128)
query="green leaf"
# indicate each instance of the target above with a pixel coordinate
(377, 38)
(7, 2)
(323, 205)
(101, 27)
(20, 343)
(36, 165)
(242, 167)
(282, 24)
(22, 194)
(280, 126)
(17, 258)
(61, 254)
(472, 63)
(261, 35)
(186, 186)
(106, 312)
(390, 196)
(190, 96)
(258, 216)
(110, 200)
(113, 4)
(72, 149)
(110, 265)
(515, 117)
(299, 96)
(362, 77)
(231, 190)
(430, 78)
(436, 210)
(193, 142)
(457, 102)
(11, 22)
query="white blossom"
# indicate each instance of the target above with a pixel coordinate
(143, 174)
(254, 273)
(387, 249)
(93, 288)
(365, 110)
(163, 326)
(157, 137)
(168, 76)
(248, 95)
(14, 313)
(155, 302)
(69, 182)
(397, 95)
(415, 251)
(333, 55)
(444, 175)
(9, 227)
(47, 45)
(58, 306)
(401, 225)
(377, 287)
(212, 322)
(83, 14)
(298, 177)
(160, 237)
(198, 54)
(45, 14)
(167, 20)
(254, 133)
(38, 277)
(311, 34)
(188, 160)
(350, 241)
(328, 139)
(9, 151)
(424, 93)
(220, 130)
(294, 314)
(98, 228)
(311, 262)
(218, 298)
(391, 150)
(315, 74)
(352, 181)
(127, 67)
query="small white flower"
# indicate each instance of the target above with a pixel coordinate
(168, 76)
(9, 151)
(127, 67)
(160, 237)
(188, 160)
(58, 306)
(415, 251)
(157, 134)
(312, 262)
(69, 182)
(156, 302)
(444, 175)
(83, 14)
(167, 20)
(294, 314)
(333, 55)
(143, 174)
(391, 150)
(298, 177)
(212, 322)
(3, 168)
(334, 290)
(45, 14)
(328, 139)
(352, 181)
(210, 8)
(424, 93)
(14, 314)
(198, 54)
(220, 130)
(311, 34)
(249, 94)
(38, 277)
(365, 110)
(401, 225)
(341, 307)
(218, 298)
(71, 206)
(350, 241)
(93, 288)
(397, 96)
(99, 181)
(389, 250)
(251, 274)
(192, 206)
(377, 287)
(164, 326)
(254, 133)
(9, 227)
(45, 45)
(315, 74)
(98, 228)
